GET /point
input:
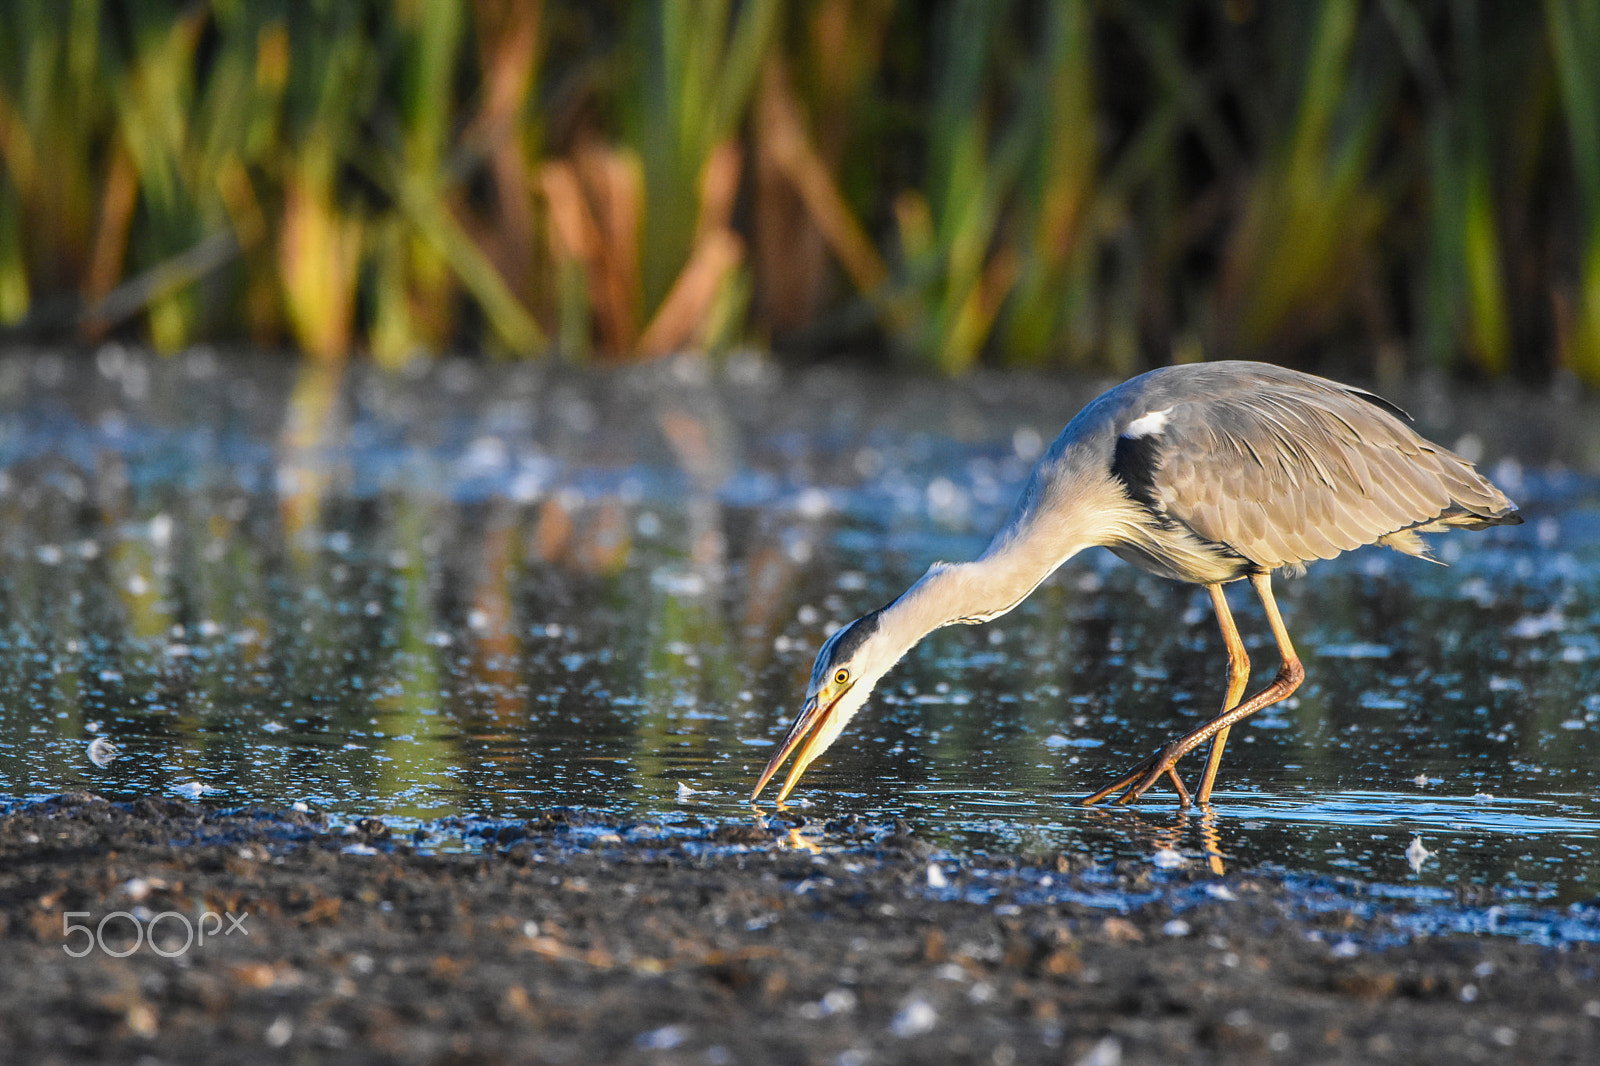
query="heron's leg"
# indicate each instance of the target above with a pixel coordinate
(1290, 673)
(1238, 678)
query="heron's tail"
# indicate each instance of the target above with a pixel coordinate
(1407, 540)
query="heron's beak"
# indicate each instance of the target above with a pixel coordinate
(804, 734)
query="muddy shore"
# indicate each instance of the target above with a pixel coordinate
(271, 936)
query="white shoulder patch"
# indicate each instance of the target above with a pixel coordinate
(1147, 425)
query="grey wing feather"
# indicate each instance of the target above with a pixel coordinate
(1287, 475)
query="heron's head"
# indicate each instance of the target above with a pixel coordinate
(848, 666)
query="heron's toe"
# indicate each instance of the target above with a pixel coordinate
(1137, 781)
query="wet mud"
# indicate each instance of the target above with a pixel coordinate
(562, 939)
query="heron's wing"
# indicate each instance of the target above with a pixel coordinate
(1284, 475)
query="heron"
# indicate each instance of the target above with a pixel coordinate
(1207, 473)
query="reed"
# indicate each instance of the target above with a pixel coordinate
(1575, 43)
(1085, 183)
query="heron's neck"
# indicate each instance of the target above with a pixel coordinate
(1057, 517)
(963, 592)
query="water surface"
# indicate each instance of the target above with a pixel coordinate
(490, 591)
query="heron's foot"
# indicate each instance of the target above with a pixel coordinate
(1138, 780)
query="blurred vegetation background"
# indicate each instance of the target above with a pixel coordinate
(1103, 184)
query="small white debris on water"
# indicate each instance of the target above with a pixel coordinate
(102, 752)
(798, 549)
(663, 1039)
(136, 888)
(1470, 447)
(1534, 626)
(280, 1032)
(161, 527)
(1108, 1052)
(358, 849)
(676, 582)
(850, 580)
(1168, 859)
(192, 789)
(1176, 927)
(1345, 949)
(936, 877)
(1027, 443)
(1359, 650)
(813, 503)
(484, 456)
(1221, 891)
(1416, 854)
(837, 1001)
(1508, 475)
(915, 1018)
(945, 497)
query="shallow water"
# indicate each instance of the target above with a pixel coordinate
(492, 591)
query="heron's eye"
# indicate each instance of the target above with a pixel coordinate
(841, 676)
